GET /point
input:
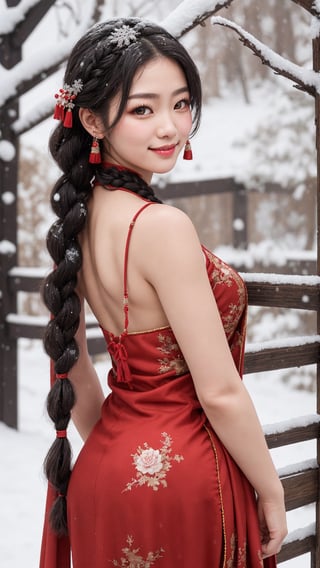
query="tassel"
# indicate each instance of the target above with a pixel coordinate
(58, 112)
(95, 156)
(67, 123)
(187, 154)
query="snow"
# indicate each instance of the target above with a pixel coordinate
(185, 14)
(8, 197)
(277, 62)
(29, 271)
(280, 278)
(9, 19)
(298, 467)
(265, 253)
(298, 422)
(7, 150)
(295, 341)
(315, 27)
(26, 320)
(6, 247)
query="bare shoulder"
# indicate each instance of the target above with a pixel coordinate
(165, 222)
(170, 243)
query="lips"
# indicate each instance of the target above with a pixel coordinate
(166, 150)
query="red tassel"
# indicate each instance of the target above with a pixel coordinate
(68, 119)
(58, 112)
(95, 156)
(187, 154)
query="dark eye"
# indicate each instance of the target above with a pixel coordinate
(183, 104)
(142, 110)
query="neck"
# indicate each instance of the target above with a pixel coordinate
(115, 176)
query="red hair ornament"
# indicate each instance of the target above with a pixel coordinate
(65, 102)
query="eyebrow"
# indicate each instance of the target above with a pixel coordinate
(156, 96)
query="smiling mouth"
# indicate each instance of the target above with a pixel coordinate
(165, 149)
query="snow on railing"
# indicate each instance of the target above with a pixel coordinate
(282, 343)
(299, 467)
(300, 534)
(272, 278)
(284, 425)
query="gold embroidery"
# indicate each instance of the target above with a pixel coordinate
(152, 465)
(220, 496)
(233, 550)
(132, 558)
(237, 553)
(145, 331)
(224, 274)
(174, 360)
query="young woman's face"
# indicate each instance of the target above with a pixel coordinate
(156, 122)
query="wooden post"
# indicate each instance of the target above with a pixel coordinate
(10, 55)
(315, 561)
(9, 158)
(240, 217)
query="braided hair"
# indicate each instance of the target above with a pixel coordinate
(105, 70)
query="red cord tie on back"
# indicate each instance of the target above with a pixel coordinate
(119, 354)
(61, 375)
(61, 433)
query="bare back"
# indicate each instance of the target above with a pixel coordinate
(101, 280)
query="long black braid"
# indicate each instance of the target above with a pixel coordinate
(127, 179)
(104, 71)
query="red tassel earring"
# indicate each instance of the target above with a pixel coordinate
(187, 154)
(95, 155)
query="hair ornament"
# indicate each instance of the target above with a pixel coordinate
(61, 433)
(65, 102)
(62, 376)
(124, 36)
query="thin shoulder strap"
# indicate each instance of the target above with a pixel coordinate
(125, 268)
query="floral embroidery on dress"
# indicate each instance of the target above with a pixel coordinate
(153, 465)
(132, 559)
(224, 274)
(174, 360)
(239, 554)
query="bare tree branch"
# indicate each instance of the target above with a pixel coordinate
(178, 23)
(306, 79)
(308, 5)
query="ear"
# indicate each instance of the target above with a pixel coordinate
(91, 122)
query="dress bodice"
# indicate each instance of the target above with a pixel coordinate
(138, 356)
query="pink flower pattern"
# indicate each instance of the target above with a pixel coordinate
(153, 465)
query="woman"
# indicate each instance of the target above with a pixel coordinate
(174, 471)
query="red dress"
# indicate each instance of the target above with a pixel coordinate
(153, 486)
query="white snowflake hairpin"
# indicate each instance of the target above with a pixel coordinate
(65, 102)
(123, 36)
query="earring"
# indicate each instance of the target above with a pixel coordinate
(95, 155)
(187, 154)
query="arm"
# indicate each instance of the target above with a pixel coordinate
(175, 267)
(89, 394)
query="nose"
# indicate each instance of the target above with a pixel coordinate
(166, 127)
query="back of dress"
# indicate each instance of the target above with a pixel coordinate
(153, 485)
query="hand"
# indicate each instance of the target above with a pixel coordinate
(273, 526)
